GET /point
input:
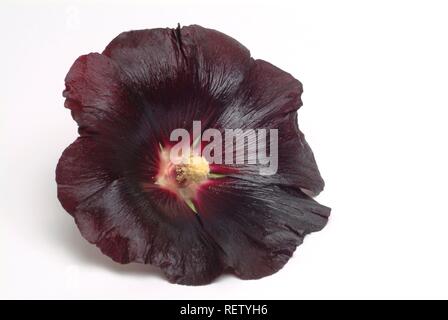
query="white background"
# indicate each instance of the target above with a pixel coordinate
(375, 75)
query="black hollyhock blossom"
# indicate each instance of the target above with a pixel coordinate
(126, 198)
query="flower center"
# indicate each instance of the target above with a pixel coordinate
(183, 178)
(195, 170)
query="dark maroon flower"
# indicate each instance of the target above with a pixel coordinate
(194, 221)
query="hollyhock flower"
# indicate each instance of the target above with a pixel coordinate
(198, 219)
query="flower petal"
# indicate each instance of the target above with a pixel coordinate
(148, 57)
(80, 173)
(220, 61)
(263, 98)
(268, 99)
(127, 228)
(209, 59)
(258, 226)
(97, 95)
(129, 225)
(181, 75)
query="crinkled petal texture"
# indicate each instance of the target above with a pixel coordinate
(127, 101)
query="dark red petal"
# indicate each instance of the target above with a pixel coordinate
(80, 173)
(265, 96)
(269, 98)
(127, 224)
(219, 61)
(296, 163)
(211, 60)
(181, 75)
(127, 228)
(150, 58)
(97, 95)
(258, 226)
